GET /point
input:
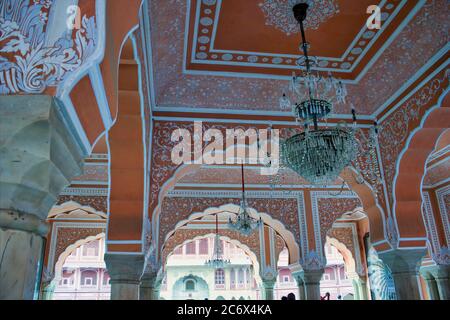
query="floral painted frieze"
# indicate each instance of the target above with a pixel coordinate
(31, 60)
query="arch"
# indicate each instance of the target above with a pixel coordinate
(277, 226)
(410, 173)
(69, 250)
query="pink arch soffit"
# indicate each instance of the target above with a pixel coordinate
(277, 226)
(410, 172)
(375, 213)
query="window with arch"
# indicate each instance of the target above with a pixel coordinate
(189, 285)
(219, 278)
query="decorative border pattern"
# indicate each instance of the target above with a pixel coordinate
(206, 24)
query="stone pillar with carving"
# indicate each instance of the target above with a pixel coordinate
(404, 266)
(39, 155)
(126, 273)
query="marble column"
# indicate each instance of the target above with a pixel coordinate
(125, 272)
(268, 288)
(150, 286)
(311, 279)
(404, 266)
(298, 276)
(441, 275)
(39, 155)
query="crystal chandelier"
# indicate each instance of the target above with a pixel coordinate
(217, 260)
(244, 223)
(318, 155)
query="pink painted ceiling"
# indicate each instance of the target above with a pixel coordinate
(181, 84)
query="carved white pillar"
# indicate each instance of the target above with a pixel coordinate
(125, 272)
(39, 155)
(404, 265)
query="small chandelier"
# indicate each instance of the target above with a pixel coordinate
(217, 260)
(318, 155)
(244, 223)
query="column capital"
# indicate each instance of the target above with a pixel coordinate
(403, 261)
(125, 268)
(298, 276)
(269, 283)
(39, 154)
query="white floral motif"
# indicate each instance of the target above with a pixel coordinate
(35, 66)
(279, 14)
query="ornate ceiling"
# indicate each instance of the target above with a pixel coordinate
(232, 55)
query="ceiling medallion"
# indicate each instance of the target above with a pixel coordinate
(217, 260)
(244, 223)
(278, 13)
(320, 154)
